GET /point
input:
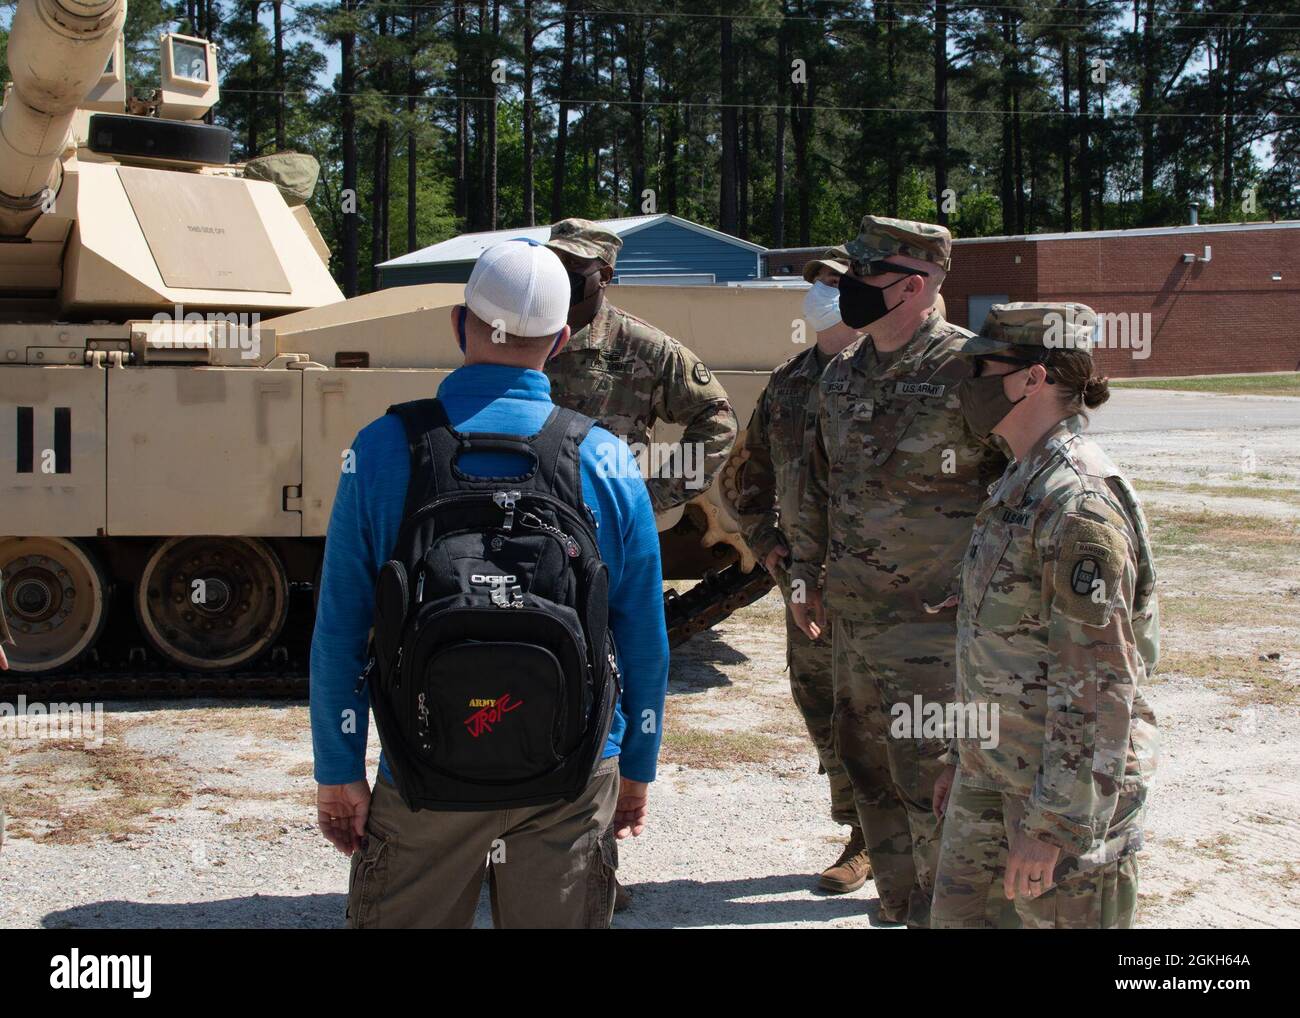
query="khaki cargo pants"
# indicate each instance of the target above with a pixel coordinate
(548, 866)
(977, 826)
(893, 775)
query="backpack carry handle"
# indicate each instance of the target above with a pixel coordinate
(512, 444)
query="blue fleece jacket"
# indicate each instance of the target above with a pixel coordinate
(363, 530)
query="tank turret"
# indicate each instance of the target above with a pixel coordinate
(58, 50)
(180, 380)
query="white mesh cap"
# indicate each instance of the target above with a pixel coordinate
(523, 286)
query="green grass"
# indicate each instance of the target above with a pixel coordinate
(1291, 496)
(1284, 384)
(697, 747)
(1180, 529)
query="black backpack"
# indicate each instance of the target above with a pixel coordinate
(493, 676)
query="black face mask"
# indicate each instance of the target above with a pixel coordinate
(861, 303)
(583, 307)
(577, 286)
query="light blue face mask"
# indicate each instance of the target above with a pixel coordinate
(821, 306)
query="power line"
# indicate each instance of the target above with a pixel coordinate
(682, 104)
(1214, 17)
(444, 8)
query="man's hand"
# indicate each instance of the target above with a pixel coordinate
(810, 614)
(4, 661)
(630, 810)
(942, 788)
(773, 560)
(341, 812)
(1029, 867)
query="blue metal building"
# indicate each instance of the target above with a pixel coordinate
(656, 249)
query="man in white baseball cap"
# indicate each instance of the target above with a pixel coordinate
(550, 865)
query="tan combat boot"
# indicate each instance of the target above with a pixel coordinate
(851, 869)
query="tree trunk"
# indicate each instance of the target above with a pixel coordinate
(635, 60)
(1228, 67)
(347, 84)
(742, 170)
(1147, 107)
(778, 146)
(530, 209)
(562, 127)
(1007, 176)
(1085, 155)
(802, 124)
(894, 173)
(940, 110)
(276, 9)
(379, 170)
(1067, 129)
(254, 74)
(462, 118)
(727, 189)
(493, 209)
(412, 91)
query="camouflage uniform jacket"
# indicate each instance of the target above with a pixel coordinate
(1058, 626)
(627, 374)
(894, 479)
(780, 436)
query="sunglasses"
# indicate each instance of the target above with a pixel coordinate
(1019, 363)
(879, 266)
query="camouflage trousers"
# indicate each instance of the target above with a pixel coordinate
(977, 826)
(812, 686)
(893, 771)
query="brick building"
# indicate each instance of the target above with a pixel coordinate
(1220, 298)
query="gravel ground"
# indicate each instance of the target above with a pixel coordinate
(201, 813)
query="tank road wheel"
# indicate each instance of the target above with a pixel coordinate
(212, 603)
(55, 598)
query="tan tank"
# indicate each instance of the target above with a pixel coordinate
(180, 378)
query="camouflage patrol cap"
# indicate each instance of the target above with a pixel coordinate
(585, 239)
(834, 258)
(879, 237)
(1026, 329)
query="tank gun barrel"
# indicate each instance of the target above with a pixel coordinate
(57, 53)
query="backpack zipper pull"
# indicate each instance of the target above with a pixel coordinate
(506, 501)
(570, 545)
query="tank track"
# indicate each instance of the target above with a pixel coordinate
(706, 604)
(153, 685)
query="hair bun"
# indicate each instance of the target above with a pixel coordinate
(1095, 392)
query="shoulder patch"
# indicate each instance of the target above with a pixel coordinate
(701, 373)
(1089, 568)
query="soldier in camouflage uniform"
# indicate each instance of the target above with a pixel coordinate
(774, 457)
(895, 479)
(627, 374)
(1057, 629)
